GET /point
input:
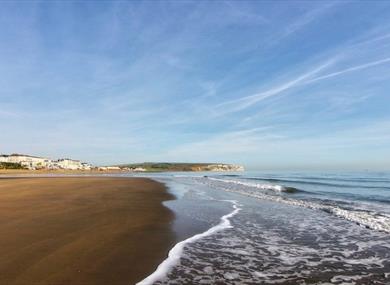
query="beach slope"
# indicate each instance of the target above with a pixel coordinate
(82, 230)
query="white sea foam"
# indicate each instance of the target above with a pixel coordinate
(176, 252)
(272, 244)
(369, 219)
(345, 279)
(273, 187)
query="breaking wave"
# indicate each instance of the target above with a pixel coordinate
(369, 219)
(262, 186)
(339, 185)
(175, 253)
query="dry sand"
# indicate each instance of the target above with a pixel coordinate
(84, 230)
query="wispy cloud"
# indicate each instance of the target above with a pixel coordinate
(248, 101)
(304, 79)
(304, 20)
(349, 69)
(234, 142)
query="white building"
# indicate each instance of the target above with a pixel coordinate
(225, 167)
(110, 168)
(116, 168)
(139, 169)
(34, 162)
(71, 164)
(28, 161)
(3, 158)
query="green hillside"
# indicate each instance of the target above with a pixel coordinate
(167, 166)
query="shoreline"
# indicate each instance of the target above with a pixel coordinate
(83, 230)
(263, 240)
(176, 252)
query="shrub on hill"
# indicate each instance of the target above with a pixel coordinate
(10, 165)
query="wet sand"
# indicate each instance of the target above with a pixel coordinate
(84, 230)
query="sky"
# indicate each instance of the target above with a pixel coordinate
(270, 85)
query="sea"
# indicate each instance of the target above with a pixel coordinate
(277, 228)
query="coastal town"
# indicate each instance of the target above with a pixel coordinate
(29, 162)
(34, 162)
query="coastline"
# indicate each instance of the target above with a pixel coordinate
(267, 241)
(82, 230)
(96, 171)
(176, 252)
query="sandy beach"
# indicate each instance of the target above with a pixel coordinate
(84, 230)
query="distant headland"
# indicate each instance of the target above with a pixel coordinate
(177, 166)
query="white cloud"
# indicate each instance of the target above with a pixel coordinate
(350, 69)
(248, 101)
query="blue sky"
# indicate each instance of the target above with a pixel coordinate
(271, 85)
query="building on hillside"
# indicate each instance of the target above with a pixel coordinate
(224, 167)
(116, 168)
(4, 158)
(109, 168)
(139, 169)
(71, 164)
(34, 162)
(28, 161)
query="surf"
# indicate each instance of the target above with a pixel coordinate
(176, 252)
(262, 186)
(369, 219)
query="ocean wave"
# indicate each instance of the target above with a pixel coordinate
(354, 197)
(272, 187)
(175, 253)
(345, 179)
(369, 219)
(282, 180)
